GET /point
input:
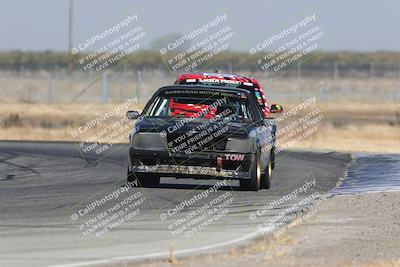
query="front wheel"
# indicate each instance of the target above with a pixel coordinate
(130, 176)
(144, 179)
(148, 179)
(253, 184)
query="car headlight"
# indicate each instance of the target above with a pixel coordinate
(149, 141)
(243, 145)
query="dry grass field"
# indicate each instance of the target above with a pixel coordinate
(348, 126)
(54, 122)
(345, 126)
(360, 114)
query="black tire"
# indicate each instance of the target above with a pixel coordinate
(130, 176)
(266, 178)
(144, 179)
(273, 158)
(148, 179)
(253, 184)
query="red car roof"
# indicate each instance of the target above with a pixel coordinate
(209, 77)
(241, 81)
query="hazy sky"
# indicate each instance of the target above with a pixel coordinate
(348, 25)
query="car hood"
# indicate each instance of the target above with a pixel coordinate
(176, 126)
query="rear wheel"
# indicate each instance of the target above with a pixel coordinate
(253, 184)
(267, 176)
(273, 158)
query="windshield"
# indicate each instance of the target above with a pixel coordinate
(199, 104)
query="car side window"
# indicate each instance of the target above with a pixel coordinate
(246, 112)
(152, 106)
(257, 116)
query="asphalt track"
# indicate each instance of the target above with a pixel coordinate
(45, 185)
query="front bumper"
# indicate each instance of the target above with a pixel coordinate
(197, 165)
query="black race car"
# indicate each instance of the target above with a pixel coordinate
(200, 131)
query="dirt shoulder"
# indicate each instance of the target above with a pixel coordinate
(351, 230)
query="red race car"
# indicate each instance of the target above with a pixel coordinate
(234, 81)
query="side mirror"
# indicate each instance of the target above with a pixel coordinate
(276, 108)
(132, 114)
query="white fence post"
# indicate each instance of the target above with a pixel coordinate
(298, 87)
(322, 94)
(57, 87)
(49, 93)
(138, 85)
(105, 88)
(347, 87)
(5, 88)
(122, 85)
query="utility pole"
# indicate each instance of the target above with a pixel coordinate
(70, 34)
